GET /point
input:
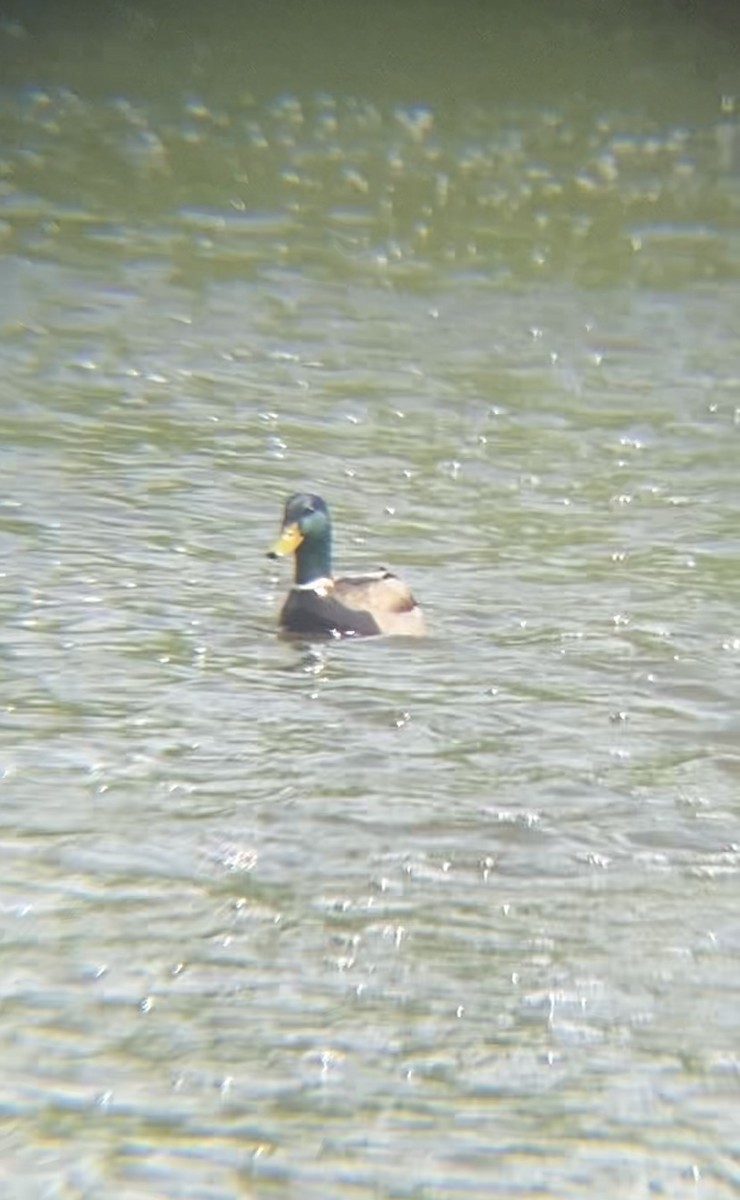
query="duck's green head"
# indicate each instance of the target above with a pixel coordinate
(306, 532)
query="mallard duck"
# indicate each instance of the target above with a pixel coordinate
(319, 605)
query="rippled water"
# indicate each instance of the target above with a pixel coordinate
(386, 918)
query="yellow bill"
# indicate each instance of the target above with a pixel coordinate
(288, 542)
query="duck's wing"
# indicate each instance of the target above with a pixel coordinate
(385, 597)
(378, 591)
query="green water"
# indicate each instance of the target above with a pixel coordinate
(386, 918)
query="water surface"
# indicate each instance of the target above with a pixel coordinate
(383, 918)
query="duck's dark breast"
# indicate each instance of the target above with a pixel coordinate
(308, 613)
